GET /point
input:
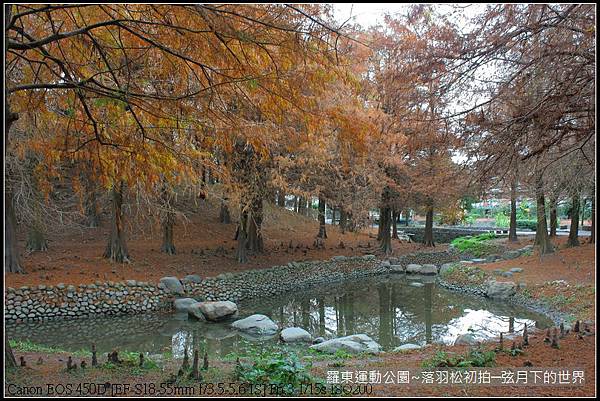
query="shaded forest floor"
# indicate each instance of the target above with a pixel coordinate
(204, 246)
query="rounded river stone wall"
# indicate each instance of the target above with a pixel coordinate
(41, 303)
(68, 301)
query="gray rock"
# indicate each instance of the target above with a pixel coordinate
(500, 289)
(491, 258)
(195, 312)
(172, 284)
(406, 347)
(428, 269)
(217, 310)
(478, 260)
(192, 278)
(416, 284)
(413, 268)
(182, 304)
(318, 340)
(506, 274)
(258, 325)
(353, 344)
(339, 258)
(511, 255)
(516, 270)
(466, 339)
(295, 334)
(396, 268)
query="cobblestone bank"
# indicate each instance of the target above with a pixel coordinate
(41, 303)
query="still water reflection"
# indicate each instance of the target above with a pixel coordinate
(390, 309)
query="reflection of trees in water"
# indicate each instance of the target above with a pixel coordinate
(387, 309)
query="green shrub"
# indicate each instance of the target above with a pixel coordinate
(473, 358)
(527, 224)
(502, 220)
(283, 370)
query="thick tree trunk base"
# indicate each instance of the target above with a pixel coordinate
(36, 241)
(116, 252)
(168, 245)
(224, 216)
(12, 262)
(169, 249)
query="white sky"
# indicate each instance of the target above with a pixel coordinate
(366, 14)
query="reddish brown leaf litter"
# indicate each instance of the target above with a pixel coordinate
(204, 247)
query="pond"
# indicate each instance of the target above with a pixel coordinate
(392, 309)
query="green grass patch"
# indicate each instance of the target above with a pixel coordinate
(476, 246)
(28, 346)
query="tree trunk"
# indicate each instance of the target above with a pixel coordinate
(12, 260)
(350, 223)
(168, 246)
(395, 217)
(553, 227)
(512, 229)
(36, 238)
(116, 248)
(253, 227)
(541, 235)
(322, 230)
(343, 220)
(385, 220)
(9, 356)
(242, 237)
(582, 211)
(574, 230)
(302, 206)
(428, 235)
(280, 199)
(224, 216)
(593, 217)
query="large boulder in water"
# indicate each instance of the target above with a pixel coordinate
(217, 310)
(172, 284)
(353, 344)
(256, 325)
(500, 289)
(429, 269)
(295, 334)
(194, 311)
(182, 304)
(413, 268)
